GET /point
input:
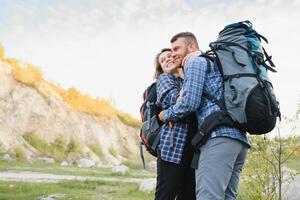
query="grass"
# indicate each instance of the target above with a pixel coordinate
(242, 191)
(112, 151)
(81, 190)
(137, 163)
(97, 150)
(55, 168)
(19, 153)
(74, 146)
(58, 149)
(36, 141)
(295, 163)
(128, 119)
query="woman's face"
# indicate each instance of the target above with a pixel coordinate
(166, 61)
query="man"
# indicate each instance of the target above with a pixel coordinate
(222, 157)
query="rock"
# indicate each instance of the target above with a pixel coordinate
(98, 165)
(45, 159)
(107, 166)
(144, 172)
(147, 185)
(85, 163)
(152, 165)
(6, 81)
(291, 184)
(51, 197)
(120, 170)
(7, 157)
(292, 188)
(42, 109)
(66, 163)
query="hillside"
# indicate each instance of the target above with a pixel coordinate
(38, 118)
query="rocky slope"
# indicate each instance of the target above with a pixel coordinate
(41, 113)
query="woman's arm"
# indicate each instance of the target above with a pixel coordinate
(167, 90)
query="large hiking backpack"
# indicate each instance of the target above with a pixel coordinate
(151, 125)
(249, 102)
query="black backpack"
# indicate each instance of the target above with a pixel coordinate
(151, 125)
(249, 102)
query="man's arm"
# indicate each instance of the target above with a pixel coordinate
(195, 71)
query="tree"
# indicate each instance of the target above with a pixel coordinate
(265, 171)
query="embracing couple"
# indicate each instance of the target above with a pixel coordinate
(184, 83)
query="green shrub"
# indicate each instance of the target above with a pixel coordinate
(19, 153)
(128, 119)
(74, 146)
(112, 151)
(37, 142)
(59, 143)
(97, 150)
(58, 148)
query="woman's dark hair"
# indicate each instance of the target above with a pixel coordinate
(158, 68)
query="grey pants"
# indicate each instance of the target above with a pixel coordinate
(220, 164)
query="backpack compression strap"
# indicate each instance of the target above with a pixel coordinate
(142, 154)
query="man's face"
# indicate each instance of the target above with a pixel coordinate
(179, 51)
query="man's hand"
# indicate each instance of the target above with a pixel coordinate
(160, 116)
(190, 55)
(180, 95)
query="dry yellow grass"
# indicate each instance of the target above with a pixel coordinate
(26, 73)
(1, 52)
(85, 103)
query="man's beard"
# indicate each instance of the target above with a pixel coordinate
(179, 63)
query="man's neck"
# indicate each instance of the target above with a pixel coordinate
(179, 73)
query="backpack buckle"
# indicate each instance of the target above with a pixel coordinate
(217, 46)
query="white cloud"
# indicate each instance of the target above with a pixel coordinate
(106, 48)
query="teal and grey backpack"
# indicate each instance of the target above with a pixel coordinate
(249, 102)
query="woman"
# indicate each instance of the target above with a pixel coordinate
(175, 177)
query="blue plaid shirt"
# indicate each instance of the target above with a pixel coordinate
(198, 78)
(172, 140)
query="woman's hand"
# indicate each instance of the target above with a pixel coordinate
(190, 55)
(180, 95)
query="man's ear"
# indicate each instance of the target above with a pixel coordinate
(191, 48)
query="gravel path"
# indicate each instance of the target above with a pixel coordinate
(27, 176)
(291, 190)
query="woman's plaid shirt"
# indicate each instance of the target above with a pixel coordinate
(172, 140)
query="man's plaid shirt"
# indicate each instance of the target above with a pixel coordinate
(172, 140)
(199, 79)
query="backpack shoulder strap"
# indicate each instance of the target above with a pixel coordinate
(209, 58)
(148, 95)
(150, 91)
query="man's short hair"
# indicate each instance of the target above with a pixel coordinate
(188, 36)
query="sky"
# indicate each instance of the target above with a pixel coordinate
(106, 48)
